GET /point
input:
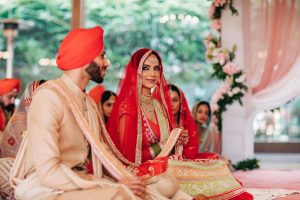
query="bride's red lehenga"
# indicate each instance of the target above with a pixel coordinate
(140, 139)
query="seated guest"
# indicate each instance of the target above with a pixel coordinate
(104, 99)
(9, 90)
(183, 119)
(96, 93)
(108, 99)
(12, 135)
(208, 136)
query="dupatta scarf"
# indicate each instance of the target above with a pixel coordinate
(127, 103)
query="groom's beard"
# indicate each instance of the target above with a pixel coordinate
(8, 108)
(94, 71)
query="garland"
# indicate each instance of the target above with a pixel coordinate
(233, 86)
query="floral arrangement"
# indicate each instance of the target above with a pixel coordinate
(215, 12)
(233, 86)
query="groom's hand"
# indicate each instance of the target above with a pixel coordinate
(136, 184)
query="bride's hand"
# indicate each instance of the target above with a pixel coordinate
(183, 138)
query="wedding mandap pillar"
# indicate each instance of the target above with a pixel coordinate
(237, 133)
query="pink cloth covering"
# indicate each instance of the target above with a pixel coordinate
(290, 197)
(281, 179)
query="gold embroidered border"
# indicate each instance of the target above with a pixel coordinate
(162, 120)
(170, 142)
(109, 141)
(138, 148)
(228, 195)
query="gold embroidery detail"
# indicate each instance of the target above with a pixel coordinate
(162, 120)
(211, 178)
(152, 59)
(138, 148)
(146, 103)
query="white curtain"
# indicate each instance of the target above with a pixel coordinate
(283, 91)
(271, 34)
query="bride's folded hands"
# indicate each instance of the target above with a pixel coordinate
(183, 138)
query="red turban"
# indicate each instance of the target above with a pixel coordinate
(96, 93)
(8, 84)
(80, 47)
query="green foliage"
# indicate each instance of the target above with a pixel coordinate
(128, 24)
(248, 164)
(51, 23)
(218, 10)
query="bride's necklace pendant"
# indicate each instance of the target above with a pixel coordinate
(146, 103)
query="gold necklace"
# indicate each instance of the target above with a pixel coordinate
(146, 102)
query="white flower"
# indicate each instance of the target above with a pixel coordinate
(241, 79)
(216, 52)
(229, 80)
(230, 94)
(221, 58)
(236, 90)
(211, 45)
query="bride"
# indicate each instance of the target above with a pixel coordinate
(141, 129)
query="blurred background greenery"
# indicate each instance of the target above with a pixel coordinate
(174, 28)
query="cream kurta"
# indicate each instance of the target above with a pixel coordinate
(55, 144)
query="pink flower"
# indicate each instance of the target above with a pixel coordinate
(214, 107)
(217, 95)
(224, 87)
(211, 11)
(215, 121)
(230, 68)
(215, 24)
(218, 3)
(221, 58)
